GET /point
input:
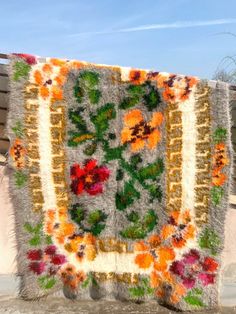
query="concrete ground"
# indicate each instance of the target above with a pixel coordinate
(10, 304)
(63, 306)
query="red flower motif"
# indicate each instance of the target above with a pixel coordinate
(89, 178)
(27, 58)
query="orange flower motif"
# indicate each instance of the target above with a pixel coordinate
(150, 253)
(137, 76)
(17, 153)
(57, 93)
(70, 277)
(83, 245)
(47, 68)
(57, 62)
(137, 132)
(220, 158)
(63, 230)
(218, 178)
(176, 88)
(179, 229)
(159, 282)
(44, 92)
(38, 77)
(49, 221)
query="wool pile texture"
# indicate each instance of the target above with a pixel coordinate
(120, 182)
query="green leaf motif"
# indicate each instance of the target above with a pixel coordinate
(35, 230)
(119, 174)
(90, 149)
(113, 153)
(220, 135)
(217, 192)
(90, 78)
(146, 92)
(28, 227)
(194, 297)
(78, 92)
(150, 221)
(193, 300)
(155, 192)
(85, 283)
(126, 197)
(102, 117)
(142, 289)
(88, 281)
(96, 216)
(96, 229)
(137, 292)
(48, 240)
(94, 96)
(20, 178)
(46, 282)
(210, 240)
(21, 69)
(135, 160)
(77, 213)
(35, 241)
(152, 98)
(136, 93)
(152, 171)
(133, 232)
(87, 83)
(139, 228)
(133, 217)
(95, 219)
(76, 118)
(18, 129)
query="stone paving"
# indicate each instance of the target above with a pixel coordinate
(62, 306)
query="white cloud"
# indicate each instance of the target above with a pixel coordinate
(178, 24)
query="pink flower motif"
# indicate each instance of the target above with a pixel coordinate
(50, 250)
(192, 267)
(35, 255)
(177, 268)
(188, 282)
(58, 259)
(191, 257)
(206, 279)
(31, 60)
(47, 261)
(90, 178)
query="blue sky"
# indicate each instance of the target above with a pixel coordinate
(180, 36)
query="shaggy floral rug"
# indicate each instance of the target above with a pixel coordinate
(120, 182)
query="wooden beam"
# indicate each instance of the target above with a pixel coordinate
(3, 116)
(3, 70)
(3, 133)
(4, 100)
(3, 56)
(4, 83)
(4, 146)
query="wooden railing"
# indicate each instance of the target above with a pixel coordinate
(4, 142)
